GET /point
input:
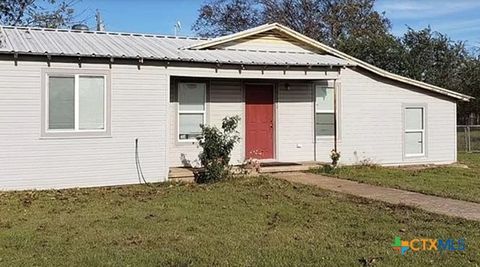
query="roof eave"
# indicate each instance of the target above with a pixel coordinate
(186, 60)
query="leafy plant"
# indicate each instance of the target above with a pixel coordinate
(329, 168)
(217, 145)
(335, 156)
(368, 162)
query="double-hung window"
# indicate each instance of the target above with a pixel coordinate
(324, 110)
(75, 104)
(191, 110)
(414, 131)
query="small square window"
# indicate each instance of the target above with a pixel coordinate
(189, 125)
(324, 123)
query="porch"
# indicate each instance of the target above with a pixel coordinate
(281, 120)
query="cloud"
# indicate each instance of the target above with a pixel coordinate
(410, 9)
(467, 25)
(457, 18)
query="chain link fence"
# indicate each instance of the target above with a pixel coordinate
(468, 138)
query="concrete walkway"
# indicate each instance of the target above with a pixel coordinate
(440, 205)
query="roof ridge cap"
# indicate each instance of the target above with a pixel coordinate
(104, 32)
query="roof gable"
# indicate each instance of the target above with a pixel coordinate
(271, 40)
(321, 48)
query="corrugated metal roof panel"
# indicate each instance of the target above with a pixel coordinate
(128, 45)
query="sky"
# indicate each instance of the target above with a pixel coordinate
(459, 19)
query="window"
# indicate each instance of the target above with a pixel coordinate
(324, 110)
(75, 104)
(191, 110)
(414, 131)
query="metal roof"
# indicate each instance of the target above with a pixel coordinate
(59, 42)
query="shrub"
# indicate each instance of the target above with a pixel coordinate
(217, 145)
(369, 163)
(335, 156)
(332, 168)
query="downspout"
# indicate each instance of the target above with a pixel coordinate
(314, 123)
(335, 115)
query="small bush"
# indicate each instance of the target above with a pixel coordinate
(335, 156)
(332, 168)
(217, 146)
(252, 164)
(368, 163)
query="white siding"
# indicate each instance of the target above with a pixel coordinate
(226, 99)
(324, 148)
(139, 110)
(372, 121)
(295, 122)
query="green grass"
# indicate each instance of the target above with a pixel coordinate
(452, 182)
(248, 221)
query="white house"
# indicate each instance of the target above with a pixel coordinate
(73, 103)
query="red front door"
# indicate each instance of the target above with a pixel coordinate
(259, 121)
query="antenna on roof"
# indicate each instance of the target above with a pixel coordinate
(177, 27)
(100, 23)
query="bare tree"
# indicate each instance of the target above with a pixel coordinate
(37, 13)
(329, 21)
(221, 17)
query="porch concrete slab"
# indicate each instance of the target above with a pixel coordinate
(301, 166)
(185, 174)
(440, 205)
(180, 175)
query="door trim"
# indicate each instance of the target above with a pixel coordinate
(274, 116)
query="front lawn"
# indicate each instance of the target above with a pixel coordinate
(248, 221)
(452, 182)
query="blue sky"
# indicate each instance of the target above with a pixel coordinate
(459, 19)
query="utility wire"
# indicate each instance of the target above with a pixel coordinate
(137, 164)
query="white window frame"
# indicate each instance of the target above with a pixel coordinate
(76, 131)
(422, 131)
(187, 112)
(323, 111)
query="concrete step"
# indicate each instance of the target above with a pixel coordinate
(182, 174)
(182, 180)
(292, 168)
